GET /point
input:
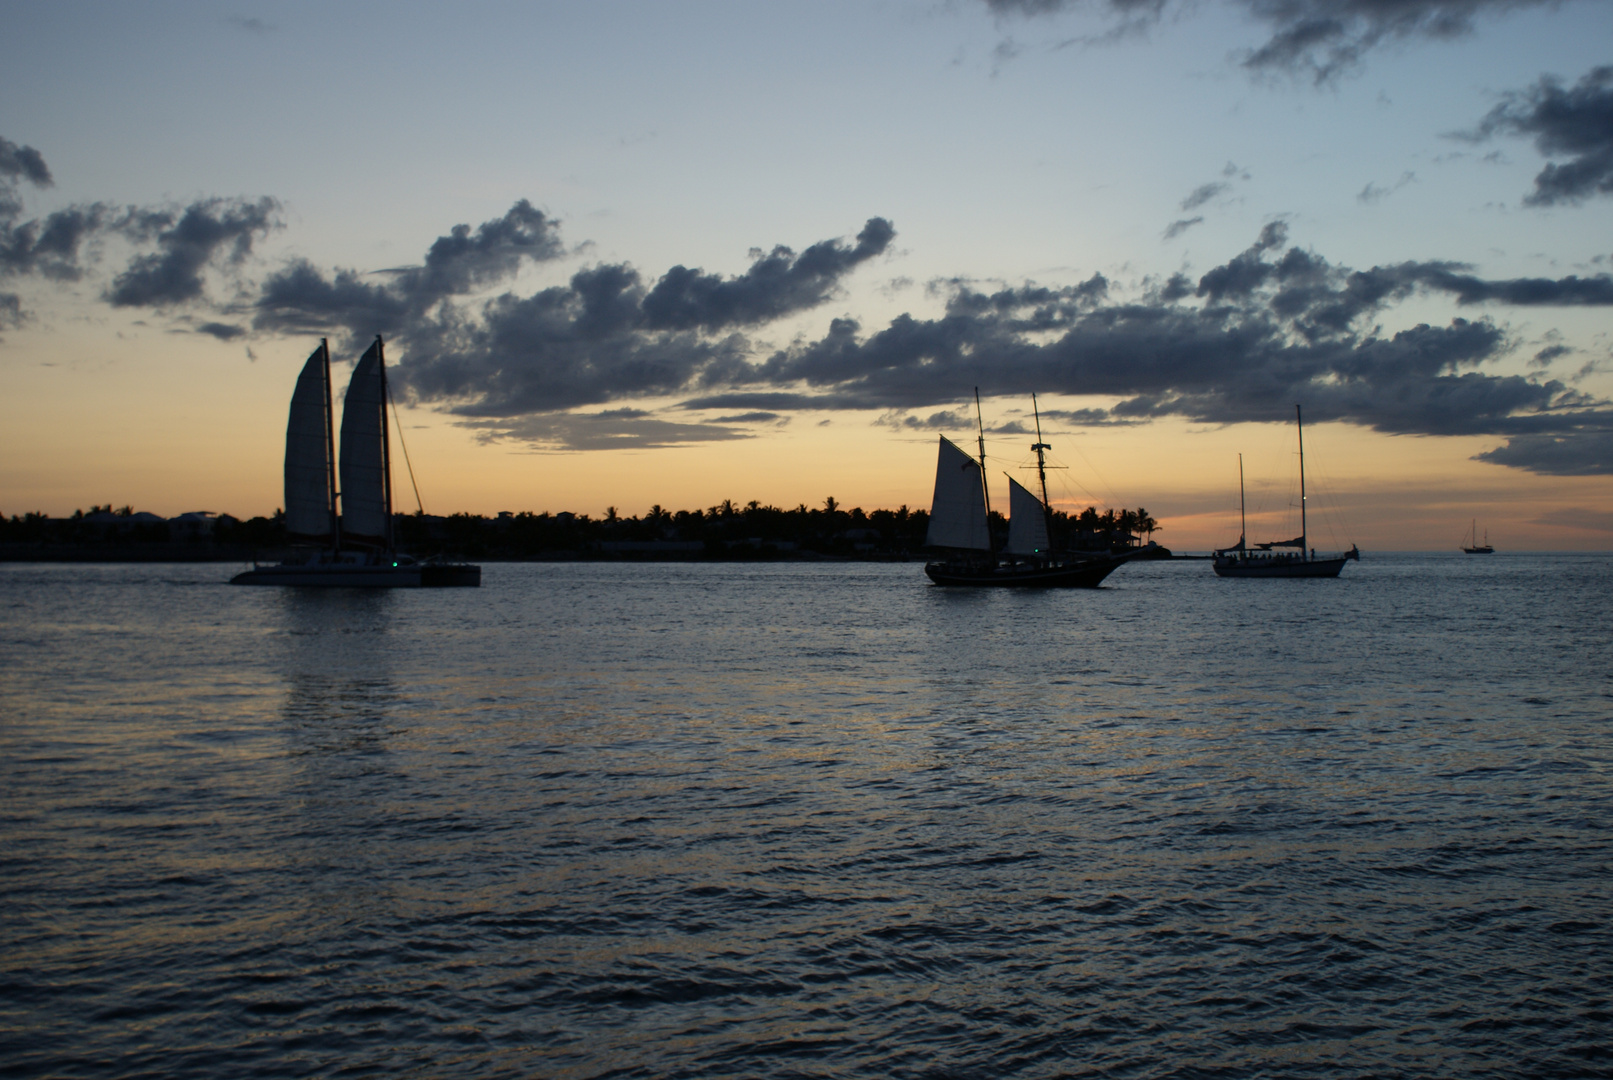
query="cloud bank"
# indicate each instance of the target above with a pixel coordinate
(1272, 325)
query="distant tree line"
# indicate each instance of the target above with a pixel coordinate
(727, 530)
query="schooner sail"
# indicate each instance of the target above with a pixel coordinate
(1027, 522)
(958, 510)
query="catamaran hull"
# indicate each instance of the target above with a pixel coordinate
(1295, 569)
(363, 577)
(1086, 574)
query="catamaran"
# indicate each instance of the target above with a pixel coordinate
(355, 545)
(1262, 561)
(960, 515)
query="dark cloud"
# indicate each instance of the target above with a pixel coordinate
(776, 284)
(1203, 194)
(1177, 228)
(22, 163)
(1319, 38)
(48, 247)
(51, 247)
(188, 242)
(11, 313)
(222, 331)
(1565, 122)
(301, 298)
(1274, 325)
(748, 418)
(1587, 451)
(607, 335)
(1545, 356)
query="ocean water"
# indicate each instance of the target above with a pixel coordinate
(809, 820)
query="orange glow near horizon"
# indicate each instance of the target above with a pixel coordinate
(198, 433)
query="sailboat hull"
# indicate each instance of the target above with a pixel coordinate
(1076, 574)
(1280, 567)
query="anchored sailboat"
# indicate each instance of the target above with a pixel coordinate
(960, 525)
(1262, 561)
(352, 547)
(1470, 541)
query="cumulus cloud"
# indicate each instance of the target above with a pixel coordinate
(49, 247)
(188, 241)
(302, 298)
(1322, 39)
(1574, 122)
(608, 334)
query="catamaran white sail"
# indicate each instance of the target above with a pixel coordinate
(366, 472)
(310, 463)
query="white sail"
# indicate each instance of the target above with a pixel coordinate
(958, 511)
(1027, 522)
(365, 506)
(308, 454)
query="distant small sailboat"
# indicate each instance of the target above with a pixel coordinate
(355, 546)
(1470, 541)
(960, 517)
(1241, 561)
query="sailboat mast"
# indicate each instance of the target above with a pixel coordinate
(386, 444)
(1041, 469)
(330, 451)
(1304, 542)
(1243, 513)
(980, 426)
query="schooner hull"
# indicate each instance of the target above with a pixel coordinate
(1083, 574)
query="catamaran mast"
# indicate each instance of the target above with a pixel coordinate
(1041, 470)
(1304, 543)
(330, 452)
(386, 444)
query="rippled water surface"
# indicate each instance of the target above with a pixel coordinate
(805, 820)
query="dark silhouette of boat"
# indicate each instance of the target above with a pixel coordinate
(352, 547)
(1280, 558)
(960, 515)
(1470, 541)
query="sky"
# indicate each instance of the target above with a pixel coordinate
(636, 253)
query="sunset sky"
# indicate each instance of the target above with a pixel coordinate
(627, 253)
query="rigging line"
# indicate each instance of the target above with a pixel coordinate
(398, 423)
